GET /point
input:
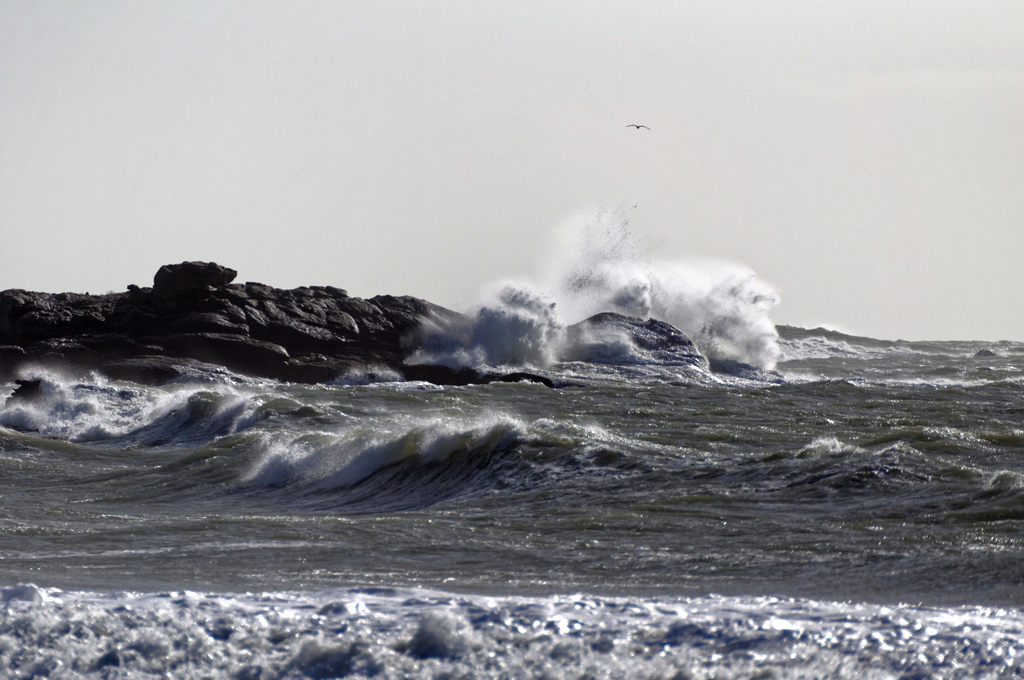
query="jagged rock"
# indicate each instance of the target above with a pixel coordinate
(26, 391)
(172, 279)
(194, 313)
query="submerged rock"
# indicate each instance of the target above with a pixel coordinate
(444, 375)
(738, 369)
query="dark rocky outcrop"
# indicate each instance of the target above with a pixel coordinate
(194, 314)
(195, 318)
(173, 279)
(659, 342)
(655, 342)
(26, 390)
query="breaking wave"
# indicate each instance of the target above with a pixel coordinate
(323, 461)
(516, 325)
(99, 410)
(602, 266)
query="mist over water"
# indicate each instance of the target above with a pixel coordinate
(598, 263)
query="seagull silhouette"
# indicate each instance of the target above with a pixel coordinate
(638, 126)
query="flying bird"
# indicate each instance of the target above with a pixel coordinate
(638, 126)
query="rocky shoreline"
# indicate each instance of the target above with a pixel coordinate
(195, 315)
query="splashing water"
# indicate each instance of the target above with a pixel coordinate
(722, 306)
(520, 326)
(604, 267)
(516, 325)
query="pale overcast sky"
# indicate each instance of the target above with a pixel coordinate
(864, 158)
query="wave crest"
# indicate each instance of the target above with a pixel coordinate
(723, 307)
(334, 460)
(516, 326)
(603, 267)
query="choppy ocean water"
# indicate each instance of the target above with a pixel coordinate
(858, 514)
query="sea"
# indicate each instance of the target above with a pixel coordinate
(806, 504)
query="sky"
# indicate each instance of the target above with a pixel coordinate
(864, 159)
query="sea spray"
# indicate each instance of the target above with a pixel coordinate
(722, 306)
(602, 266)
(513, 325)
(598, 264)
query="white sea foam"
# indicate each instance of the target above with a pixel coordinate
(513, 324)
(86, 410)
(429, 634)
(96, 409)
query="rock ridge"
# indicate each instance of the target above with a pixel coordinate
(195, 316)
(195, 313)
